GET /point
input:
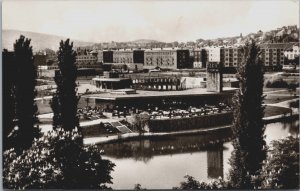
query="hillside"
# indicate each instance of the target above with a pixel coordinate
(39, 41)
(280, 35)
(42, 41)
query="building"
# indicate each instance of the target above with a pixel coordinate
(231, 56)
(214, 69)
(107, 56)
(272, 54)
(111, 81)
(123, 56)
(138, 56)
(166, 58)
(214, 54)
(292, 52)
(100, 56)
(199, 57)
(86, 61)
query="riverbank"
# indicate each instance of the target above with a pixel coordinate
(133, 136)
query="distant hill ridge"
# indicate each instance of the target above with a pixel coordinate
(39, 41)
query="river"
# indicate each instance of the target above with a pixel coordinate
(162, 163)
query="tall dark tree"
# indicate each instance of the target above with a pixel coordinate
(8, 98)
(64, 102)
(25, 81)
(248, 127)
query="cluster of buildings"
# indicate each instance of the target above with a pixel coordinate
(274, 56)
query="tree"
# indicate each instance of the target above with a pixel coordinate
(192, 184)
(248, 127)
(57, 160)
(281, 169)
(25, 81)
(65, 100)
(9, 114)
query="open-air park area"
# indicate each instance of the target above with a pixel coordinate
(86, 106)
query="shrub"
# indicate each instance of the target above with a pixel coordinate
(57, 160)
(281, 168)
(278, 83)
(192, 184)
(294, 104)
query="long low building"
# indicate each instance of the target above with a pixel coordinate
(143, 98)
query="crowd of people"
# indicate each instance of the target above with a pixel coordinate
(173, 112)
(90, 113)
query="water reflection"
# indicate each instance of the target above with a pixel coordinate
(215, 163)
(146, 149)
(161, 163)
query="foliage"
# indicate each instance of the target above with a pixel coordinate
(25, 81)
(192, 184)
(294, 104)
(248, 127)
(138, 187)
(57, 160)
(280, 83)
(281, 168)
(65, 100)
(140, 122)
(8, 97)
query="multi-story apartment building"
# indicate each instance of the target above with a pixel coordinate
(292, 52)
(107, 56)
(123, 56)
(199, 58)
(166, 58)
(86, 61)
(214, 55)
(231, 56)
(100, 56)
(138, 56)
(272, 54)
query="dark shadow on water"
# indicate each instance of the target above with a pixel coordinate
(145, 149)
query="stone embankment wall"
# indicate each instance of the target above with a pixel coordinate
(198, 122)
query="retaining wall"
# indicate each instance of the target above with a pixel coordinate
(197, 122)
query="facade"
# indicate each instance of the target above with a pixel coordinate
(214, 74)
(123, 56)
(100, 56)
(183, 59)
(138, 56)
(196, 54)
(107, 56)
(86, 61)
(272, 54)
(199, 57)
(161, 58)
(166, 58)
(292, 53)
(231, 56)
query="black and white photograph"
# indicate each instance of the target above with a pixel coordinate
(150, 94)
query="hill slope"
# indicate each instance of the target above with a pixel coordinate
(39, 41)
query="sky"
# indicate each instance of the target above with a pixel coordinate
(163, 20)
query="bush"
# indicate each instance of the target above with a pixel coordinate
(278, 83)
(281, 168)
(294, 104)
(57, 160)
(192, 184)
